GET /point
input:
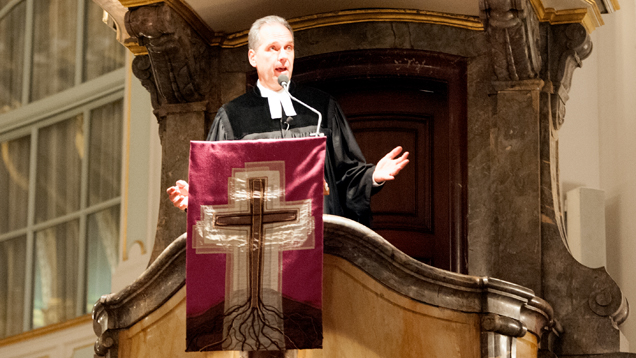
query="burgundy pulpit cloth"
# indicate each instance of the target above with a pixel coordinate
(254, 254)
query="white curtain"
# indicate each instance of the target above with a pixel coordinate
(12, 278)
(14, 183)
(54, 35)
(55, 279)
(11, 56)
(58, 185)
(103, 53)
(102, 256)
(104, 183)
(104, 164)
(58, 179)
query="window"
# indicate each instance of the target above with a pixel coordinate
(61, 118)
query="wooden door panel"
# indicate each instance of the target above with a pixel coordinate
(389, 103)
(411, 211)
(400, 203)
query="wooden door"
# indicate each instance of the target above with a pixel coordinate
(417, 100)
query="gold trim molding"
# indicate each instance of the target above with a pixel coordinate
(137, 3)
(84, 319)
(589, 17)
(364, 15)
(181, 8)
(135, 48)
(239, 39)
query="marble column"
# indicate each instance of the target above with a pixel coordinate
(178, 72)
(178, 125)
(515, 171)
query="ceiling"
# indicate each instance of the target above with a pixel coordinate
(225, 22)
(231, 16)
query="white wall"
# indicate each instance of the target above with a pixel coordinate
(579, 154)
(598, 141)
(141, 180)
(617, 123)
(74, 342)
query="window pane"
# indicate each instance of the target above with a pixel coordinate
(54, 33)
(12, 278)
(102, 258)
(103, 53)
(14, 183)
(12, 58)
(60, 153)
(104, 163)
(55, 281)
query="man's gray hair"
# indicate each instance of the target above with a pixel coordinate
(254, 37)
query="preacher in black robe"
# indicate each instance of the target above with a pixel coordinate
(349, 176)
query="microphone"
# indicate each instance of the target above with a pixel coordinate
(283, 81)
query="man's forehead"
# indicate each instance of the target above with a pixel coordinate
(275, 32)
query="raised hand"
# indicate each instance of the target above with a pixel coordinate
(179, 194)
(389, 166)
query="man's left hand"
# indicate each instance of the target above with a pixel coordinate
(389, 166)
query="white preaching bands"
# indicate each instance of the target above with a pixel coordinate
(277, 100)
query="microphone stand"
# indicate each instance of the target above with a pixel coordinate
(285, 85)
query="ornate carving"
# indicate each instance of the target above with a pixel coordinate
(609, 302)
(116, 13)
(117, 311)
(516, 307)
(587, 302)
(568, 47)
(513, 29)
(179, 57)
(509, 310)
(503, 325)
(142, 69)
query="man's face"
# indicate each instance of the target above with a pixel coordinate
(274, 55)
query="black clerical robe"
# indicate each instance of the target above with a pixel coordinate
(349, 177)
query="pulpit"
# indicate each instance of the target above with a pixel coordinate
(378, 302)
(490, 89)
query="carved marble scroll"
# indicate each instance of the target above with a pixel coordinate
(569, 45)
(513, 30)
(142, 69)
(180, 58)
(587, 301)
(152, 289)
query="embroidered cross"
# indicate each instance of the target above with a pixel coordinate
(255, 219)
(253, 230)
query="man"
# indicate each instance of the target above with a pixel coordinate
(258, 115)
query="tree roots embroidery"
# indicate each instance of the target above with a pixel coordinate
(253, 325)
(259, 327)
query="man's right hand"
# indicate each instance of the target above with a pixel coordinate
(179, 194)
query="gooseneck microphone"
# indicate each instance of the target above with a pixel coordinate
(283, 80)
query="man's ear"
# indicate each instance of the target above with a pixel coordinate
(251, 56)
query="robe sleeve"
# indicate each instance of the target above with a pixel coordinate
(221, 128)
(353, 175)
